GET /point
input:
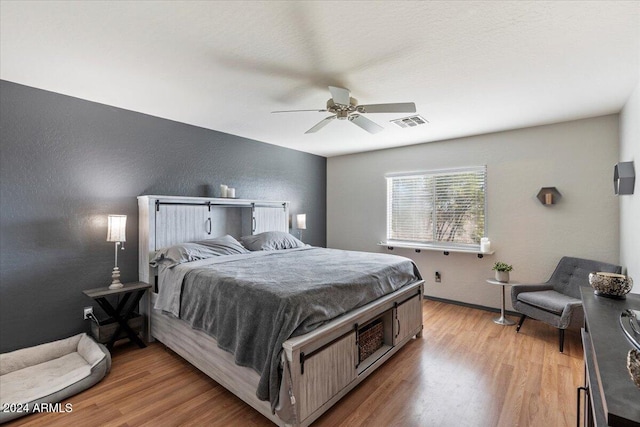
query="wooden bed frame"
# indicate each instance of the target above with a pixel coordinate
(320, 367)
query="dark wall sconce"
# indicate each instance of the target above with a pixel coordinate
(624, 178)
(548, 195)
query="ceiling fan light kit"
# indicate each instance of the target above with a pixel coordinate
(344, 107)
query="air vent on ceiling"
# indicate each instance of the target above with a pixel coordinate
(411, 121)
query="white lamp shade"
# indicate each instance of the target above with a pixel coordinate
(116, 229)
(301, 219)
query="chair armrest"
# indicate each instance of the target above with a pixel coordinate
(518, 289)
(571, 310)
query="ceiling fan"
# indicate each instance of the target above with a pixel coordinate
(344, 107)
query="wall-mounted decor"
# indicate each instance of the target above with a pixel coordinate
(548, 195)
(624, 178)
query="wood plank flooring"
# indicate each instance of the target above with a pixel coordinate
(465, 371)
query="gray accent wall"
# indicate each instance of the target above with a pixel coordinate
(67, 163)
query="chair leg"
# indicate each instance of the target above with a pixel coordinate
(561, 340)
(522, 317)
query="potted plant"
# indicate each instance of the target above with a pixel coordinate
(502, 270)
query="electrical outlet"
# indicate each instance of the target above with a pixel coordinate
(438, 277)
(86, 312)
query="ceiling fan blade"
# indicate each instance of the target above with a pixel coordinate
(400, 107)
(365, 123)
(297, 111)
(321, 124)
(340, 95)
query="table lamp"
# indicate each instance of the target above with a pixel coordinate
(301, 220)
(116, 232)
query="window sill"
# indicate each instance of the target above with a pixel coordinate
(446, 250)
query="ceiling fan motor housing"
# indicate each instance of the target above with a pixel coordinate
(342, 111)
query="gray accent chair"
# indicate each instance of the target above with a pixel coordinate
(557, 301)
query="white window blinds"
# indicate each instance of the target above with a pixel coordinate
(442, 208)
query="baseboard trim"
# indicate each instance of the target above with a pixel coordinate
(469, 305)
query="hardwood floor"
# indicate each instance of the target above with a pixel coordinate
(465, 371)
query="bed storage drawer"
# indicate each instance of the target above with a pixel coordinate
(408, 318)
(326, 372)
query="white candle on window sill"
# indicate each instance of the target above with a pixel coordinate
(485, 245)
(231, 192)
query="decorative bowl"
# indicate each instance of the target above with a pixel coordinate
(610, 285)
(633, 365)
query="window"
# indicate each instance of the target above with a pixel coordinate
(444, 208)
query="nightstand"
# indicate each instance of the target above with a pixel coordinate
(122, 312)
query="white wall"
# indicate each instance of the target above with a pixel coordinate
(576, 157)
(630, 204)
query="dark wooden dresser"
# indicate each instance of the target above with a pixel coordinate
(611, 398)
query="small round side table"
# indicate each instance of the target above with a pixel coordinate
(501, 320)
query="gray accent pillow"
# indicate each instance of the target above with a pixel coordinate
(225, 245)
(194, 251)
(271, 241)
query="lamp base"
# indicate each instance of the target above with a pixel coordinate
(115, 276)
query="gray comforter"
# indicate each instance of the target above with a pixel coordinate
(252, 303)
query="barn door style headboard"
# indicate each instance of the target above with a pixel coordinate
(169, 220)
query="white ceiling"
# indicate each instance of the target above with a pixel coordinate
(470, 67)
